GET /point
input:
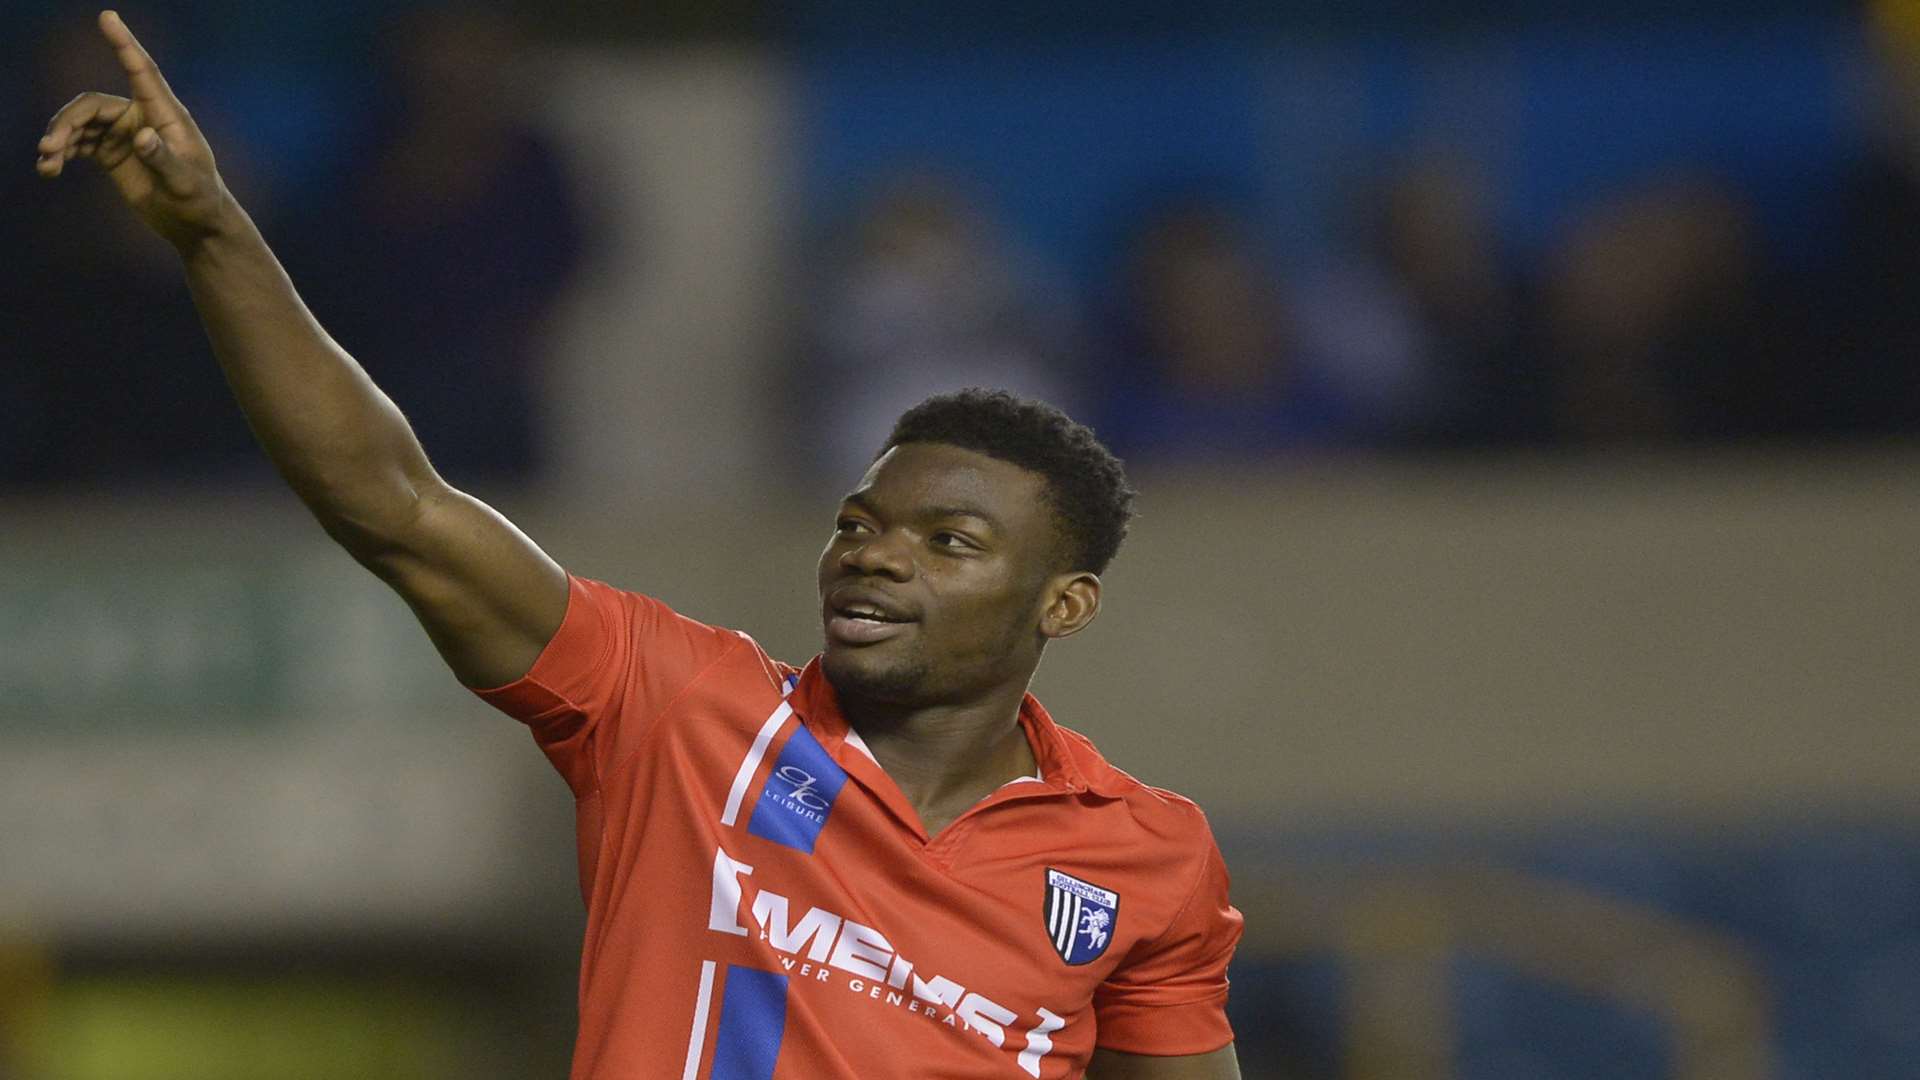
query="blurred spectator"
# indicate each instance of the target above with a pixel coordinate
(1435, 233)
(453, 229)
(1651, 316)
(929, 295)
(108, 376)
(1207, 360)
(1423, 318)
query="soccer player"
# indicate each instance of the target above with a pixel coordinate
(890, 863)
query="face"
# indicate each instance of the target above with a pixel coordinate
(939, 584)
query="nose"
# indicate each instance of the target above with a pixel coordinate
(882, 554)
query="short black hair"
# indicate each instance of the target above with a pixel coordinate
(1087, 485)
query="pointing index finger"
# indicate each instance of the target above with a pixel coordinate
(150, 89)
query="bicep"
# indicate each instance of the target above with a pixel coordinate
(1114, 1065)
(487, 596)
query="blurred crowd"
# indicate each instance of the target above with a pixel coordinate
(438, 225)
(1659, 316)
(430, 234)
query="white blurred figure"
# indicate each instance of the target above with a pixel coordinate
(1423, 316)
(929, 295)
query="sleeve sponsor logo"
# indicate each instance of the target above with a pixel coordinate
(798, 796)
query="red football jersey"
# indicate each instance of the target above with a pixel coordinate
(762, 901)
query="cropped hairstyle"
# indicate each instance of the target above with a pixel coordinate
(1086, 484)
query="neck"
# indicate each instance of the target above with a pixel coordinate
(946, 757)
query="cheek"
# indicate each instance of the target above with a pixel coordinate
(989, 621)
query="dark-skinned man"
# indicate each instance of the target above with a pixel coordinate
(888, 863)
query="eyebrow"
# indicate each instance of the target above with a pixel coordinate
(962, 511)
(955, 510)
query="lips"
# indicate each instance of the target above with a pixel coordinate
(858, 615)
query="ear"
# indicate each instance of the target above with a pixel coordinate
(1072, 602)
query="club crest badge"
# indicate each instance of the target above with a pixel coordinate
(1080, 917)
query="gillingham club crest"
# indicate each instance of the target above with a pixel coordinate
(1080, 917)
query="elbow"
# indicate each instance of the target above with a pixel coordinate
(381, 532)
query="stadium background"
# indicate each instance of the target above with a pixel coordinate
(1535, 609)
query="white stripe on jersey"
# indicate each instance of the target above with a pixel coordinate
(747, 767)
(698, 1040)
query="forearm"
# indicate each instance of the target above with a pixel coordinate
(488, 596)
(337, 439)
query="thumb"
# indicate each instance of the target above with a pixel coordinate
(152, 149)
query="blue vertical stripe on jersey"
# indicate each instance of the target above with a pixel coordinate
(798, 796)
(753, 1016)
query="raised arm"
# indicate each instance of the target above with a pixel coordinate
(489, 598)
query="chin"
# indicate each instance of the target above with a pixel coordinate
(856, 673)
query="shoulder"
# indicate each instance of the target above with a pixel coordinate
(656, 635)
(1154, 849)
(1156, 813)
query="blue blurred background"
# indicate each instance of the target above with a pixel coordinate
(1524, 404)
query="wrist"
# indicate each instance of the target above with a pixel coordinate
(226, 227)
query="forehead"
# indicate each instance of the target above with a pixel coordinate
(917, 477)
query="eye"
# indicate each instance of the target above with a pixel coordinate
(848, 526)
(951, 541)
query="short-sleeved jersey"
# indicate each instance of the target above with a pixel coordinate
(762, 901)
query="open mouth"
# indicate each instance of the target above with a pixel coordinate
(859, 622)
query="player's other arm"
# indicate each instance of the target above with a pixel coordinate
(1113, 1065)
(489, 598)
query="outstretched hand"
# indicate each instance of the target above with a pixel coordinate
(147, 144)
